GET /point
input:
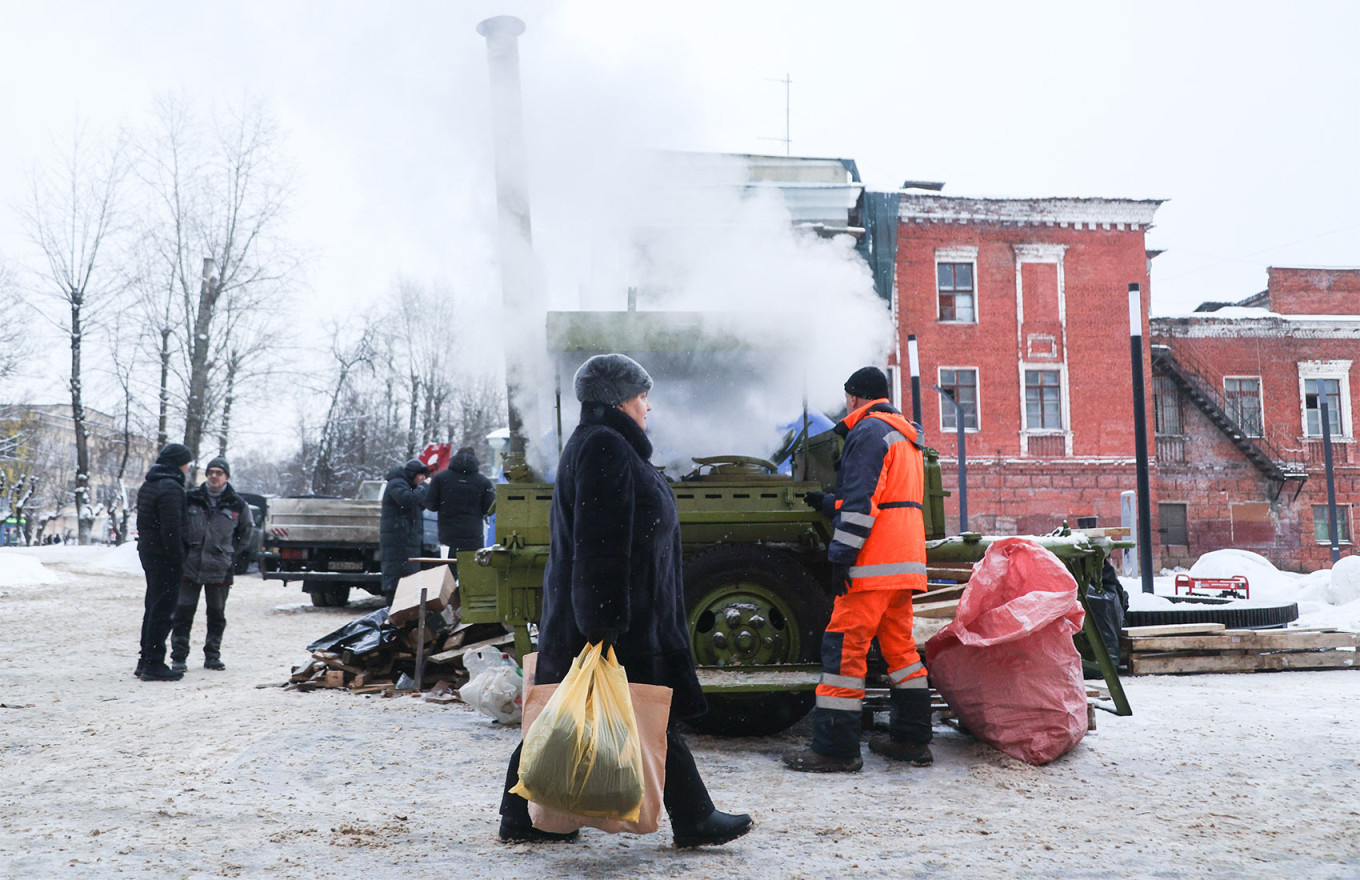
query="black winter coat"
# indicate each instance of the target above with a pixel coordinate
(615, 561)
(160, 515)
(402, 532)
(216, 534)
(462, 496)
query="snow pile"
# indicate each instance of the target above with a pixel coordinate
(1326, 598)
(20, 569)
(121, 559)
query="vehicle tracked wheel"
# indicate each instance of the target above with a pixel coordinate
(1234, 618)
(753, 606)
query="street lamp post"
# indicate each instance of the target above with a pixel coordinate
(963, 458)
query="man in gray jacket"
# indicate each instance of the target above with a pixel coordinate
(217, 525)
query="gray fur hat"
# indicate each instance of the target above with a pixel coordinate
(611, 379)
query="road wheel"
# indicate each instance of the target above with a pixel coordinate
(327, 595)
(749, 605)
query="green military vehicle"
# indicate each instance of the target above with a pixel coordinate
(755, 554)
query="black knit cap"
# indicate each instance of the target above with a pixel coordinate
(219, 462)
(415, 467)
(867, 383)
(175, 455)
(611, 379)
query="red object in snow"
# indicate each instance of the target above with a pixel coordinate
(1006, 663)
(436, 456)
(1225, 587)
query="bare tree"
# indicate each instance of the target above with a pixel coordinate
(351, 354)
(70, 217)
(14, 334)
(220, 192)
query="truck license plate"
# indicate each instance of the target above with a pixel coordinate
(346, 566)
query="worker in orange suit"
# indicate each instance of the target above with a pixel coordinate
(878, 559)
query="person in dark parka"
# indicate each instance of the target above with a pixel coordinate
(401, 534)
(462, 497)
(217, 524)
(160, 547)
(614, 576)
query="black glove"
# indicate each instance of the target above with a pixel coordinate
(840, 579)
(814, 500)
(605, 638)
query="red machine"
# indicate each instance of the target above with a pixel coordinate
(1234, 587)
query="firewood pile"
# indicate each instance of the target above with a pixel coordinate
(371, 655)
(1211, 647)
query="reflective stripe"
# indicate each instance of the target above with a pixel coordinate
(911, 683)
(848, 539)
(842, 681)
(905, 671)
(891, 568)
(858, 519)
(842, 704)
(894, 437)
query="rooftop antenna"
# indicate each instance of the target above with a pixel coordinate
(787, 138)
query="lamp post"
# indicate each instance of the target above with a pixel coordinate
(963, 458)
(1140, 438)
(1331, 483)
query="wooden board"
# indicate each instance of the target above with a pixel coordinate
(456, 653)
(1180, 663)
(1265, 640)
(938, 595)
(936, 609)
(1172, 629)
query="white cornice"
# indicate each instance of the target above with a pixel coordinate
(1294, 327)
(1074, 213)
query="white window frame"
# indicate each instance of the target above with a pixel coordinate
(1063, 408)
(1343, 520)
(1260, 400)
(956, 255)
(1340, 370)
(977, 404)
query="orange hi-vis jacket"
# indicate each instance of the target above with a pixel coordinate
(879, 521)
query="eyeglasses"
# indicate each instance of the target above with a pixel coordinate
(215, 472)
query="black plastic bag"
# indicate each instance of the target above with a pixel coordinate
(1106, 604)
(359, 636)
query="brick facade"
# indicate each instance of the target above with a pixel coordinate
(1049, 309)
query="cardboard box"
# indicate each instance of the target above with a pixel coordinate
(441, 592)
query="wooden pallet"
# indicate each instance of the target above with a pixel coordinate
(1195, 648)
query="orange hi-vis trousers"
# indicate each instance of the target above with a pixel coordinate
(858, 618)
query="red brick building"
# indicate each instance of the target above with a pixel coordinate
(1020, 307)
(1238, 393)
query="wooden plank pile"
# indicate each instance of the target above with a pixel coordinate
(1211, 647)
(390, 668)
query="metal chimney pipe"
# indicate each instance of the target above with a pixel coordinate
(515, 239)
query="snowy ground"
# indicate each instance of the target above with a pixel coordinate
(1236, 776)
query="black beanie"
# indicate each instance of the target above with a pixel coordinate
(175, 455)
(219, 462)
(414, 468)
(867, 383)
(611, 379)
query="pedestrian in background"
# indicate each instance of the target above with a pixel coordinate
(160, 547)
(614, 575)
(878, 559)
(463, 498)
(401, 535)
(217, 526)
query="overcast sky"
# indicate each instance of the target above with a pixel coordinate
(1243, 115)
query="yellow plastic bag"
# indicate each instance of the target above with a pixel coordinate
(582, 754)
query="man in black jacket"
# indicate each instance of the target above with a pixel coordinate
(462, 497)
(160, 545)
(217, 525)
(401, 534)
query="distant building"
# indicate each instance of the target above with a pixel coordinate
(1238, 395)
(1020, 309)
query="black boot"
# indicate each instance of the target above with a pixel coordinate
(808, 760)
(914, 753)
(160, 672)
(518, 832)
(717, 829)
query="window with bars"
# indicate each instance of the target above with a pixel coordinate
(962, 386)
(1043, 400)
(954, 286)
(1322, 534)
(1315, 392)
(1242, 394)
(1166, 406)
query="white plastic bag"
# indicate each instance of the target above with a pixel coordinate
(498, 692)
(479, 660)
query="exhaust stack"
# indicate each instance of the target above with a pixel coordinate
(519, 294)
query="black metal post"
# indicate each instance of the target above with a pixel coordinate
(963, 458)
(420, 641)
(1331, 483)
(914, 363)
(1140, 438)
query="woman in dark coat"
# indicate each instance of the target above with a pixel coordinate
(614, 575)
(401, 534)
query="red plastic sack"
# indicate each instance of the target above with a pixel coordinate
(1006, 664)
